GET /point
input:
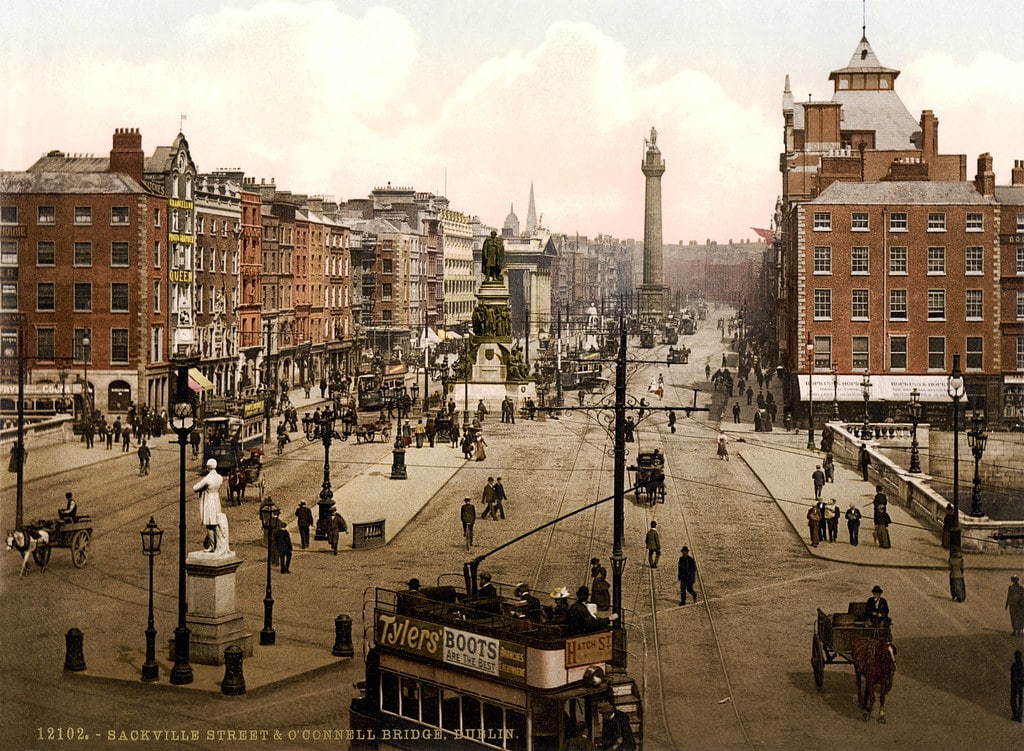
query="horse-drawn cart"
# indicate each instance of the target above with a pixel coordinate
(75, 535)
(650, 477)
(680, 356)
(368, 432)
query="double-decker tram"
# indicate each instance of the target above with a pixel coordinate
(450, 669)
(232, 430)
(369, 392)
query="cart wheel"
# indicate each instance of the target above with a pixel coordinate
(80, 548)
(41, 555)
(818, 661)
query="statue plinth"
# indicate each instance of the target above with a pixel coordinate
(213, 616)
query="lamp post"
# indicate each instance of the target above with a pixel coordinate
(914, 408)
(182, 423)
(865, 389)
(398, 470)
(955, 389)
(152, 535)
(270, 516)
(977, 440)
(322, 428)
(62, 374)
(835, 394)
(86, 404)
(810, 393)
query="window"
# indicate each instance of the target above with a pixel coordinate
(8, 214)
(83, 254)
(936, 353)
(213, 226)
(119, 297)
(119, 215)
(119, 254)
(974, 260)
(223, 262)
(975, 304)
(1020, 305)
(860, 223)
(119, 345)
(936, 305)
(897, 305)
(822, 305)
(385, 266)
(156, 217)
(44, 296)
(200, 255)
(156, 344)
(936, 221)
(861, 361)
(1020, 342)
(9, 296)
(859, 304)
(46, 215)
(8, 253)
(897, 353)
(156, 255)
(44, 343)
(83, 297)
(200, 225)
(823, 221)
(385, 292)
(83, 215)
(823, 353)
(975, 222)
(822, 259)
(1020, 222)
(897, 261)
(156, 296)
(936, 261)
(45, 253)
(898, 221)
(975, 352)
(859, 258)
(1020, 261)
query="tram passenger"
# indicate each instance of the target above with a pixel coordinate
(487, 588)
(580, 619)
(531, 607)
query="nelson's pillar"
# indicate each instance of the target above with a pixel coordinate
(651, 298)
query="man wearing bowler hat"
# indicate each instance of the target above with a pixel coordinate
(876, 612)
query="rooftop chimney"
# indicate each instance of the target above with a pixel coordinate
(929, 133)
(126, 156)
(1017, 175)
(985, 181)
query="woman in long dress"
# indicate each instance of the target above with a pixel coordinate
(481, 444)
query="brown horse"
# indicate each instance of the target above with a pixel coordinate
(237, 481)
(874, 661)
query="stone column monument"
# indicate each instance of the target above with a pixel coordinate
(651, 298)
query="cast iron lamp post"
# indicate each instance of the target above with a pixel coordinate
(152, 535)
(865, 389)
(398, 470)
(86, 404)
(183, 422)
(835, 395)
(914, 408)
(270, 515)
(322, 428)
(810, 393)
(977, 440)
(955, 389)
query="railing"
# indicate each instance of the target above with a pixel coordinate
(368, 534)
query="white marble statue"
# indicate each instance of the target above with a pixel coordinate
(215, 521)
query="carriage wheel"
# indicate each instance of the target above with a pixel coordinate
(80, 548)
(41, 555)
(818, 661)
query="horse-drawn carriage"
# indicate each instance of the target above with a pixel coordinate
(849, 639)
(367, 432)
(40, 537)
(679, 355)
(650, 477)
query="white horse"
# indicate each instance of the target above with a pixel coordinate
(26, 542)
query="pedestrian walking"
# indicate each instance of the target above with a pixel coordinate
(420, 433)
(283, 543)
(819, 481)
(488, 500)
(948, 522)
(1015, 604)
(481, 411)
(304, 517)
(736, 413)
(106, 435)
(653, 543)
(468, 444)
(832, 513)
(479, 451)
(90, 434)
(687, 575)
(468, 517)
(672, 420)
(126, 441)
(829, 467)
(823, 524)
(853, 524)
(194, 438)
(453, 434)
(750, 395)
(814, 523)
(882, 521)
(335, 526)
(323, 388)
(600, 589)
(499, 498)
(957, 589)
(117, 430)
(864, 461)
(723, 448)
(144, 457)
(1016, 685)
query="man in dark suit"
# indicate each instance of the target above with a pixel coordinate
(876, 612)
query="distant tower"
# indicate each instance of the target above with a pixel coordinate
(651, 299)
(531, 215)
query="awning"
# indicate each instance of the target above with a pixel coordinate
(884, 388)
(198, 382)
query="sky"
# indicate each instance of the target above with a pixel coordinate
(479, 99)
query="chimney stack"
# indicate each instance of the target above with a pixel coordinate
(929, 133)
(126, 156)
(985, 181)
(1017, 175)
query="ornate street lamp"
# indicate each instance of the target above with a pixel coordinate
(398, 470)
(914, 408)
(835, 394)
(865, 389)
(152, 536)
(810, 393)
(977, 440)
(955, 389)
(86, 403)
(183, 422)
(270, 516)
(322, 428)
(62, 374)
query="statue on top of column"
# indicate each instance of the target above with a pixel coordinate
(493, 257)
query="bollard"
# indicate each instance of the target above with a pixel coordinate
(74, 656)
(343, 637)
(234, 681)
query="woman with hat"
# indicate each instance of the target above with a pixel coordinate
(1015, 604)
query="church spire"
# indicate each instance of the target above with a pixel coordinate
(531, 215)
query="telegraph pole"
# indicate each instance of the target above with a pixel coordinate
(618, 559)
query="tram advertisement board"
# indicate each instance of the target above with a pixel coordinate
(482, 654)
